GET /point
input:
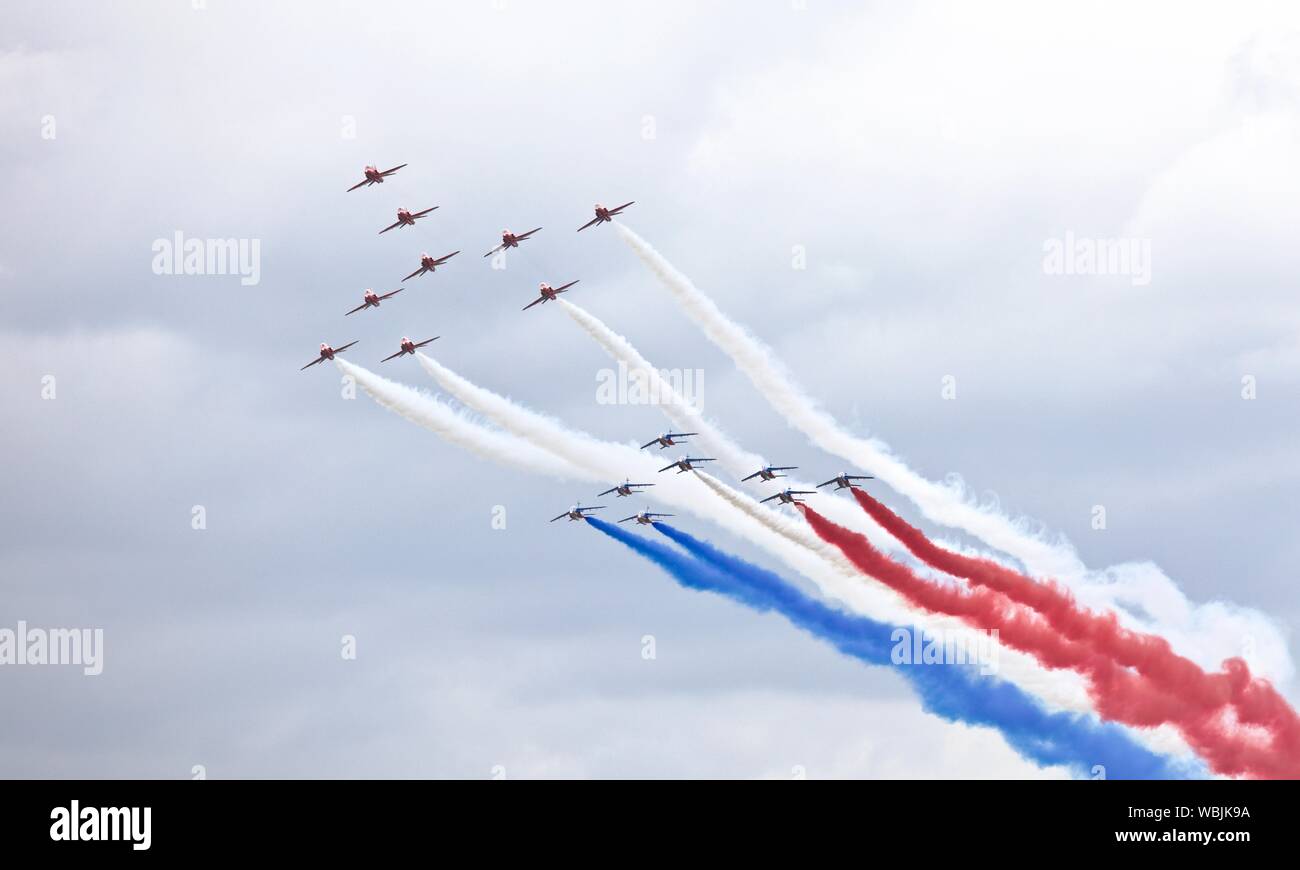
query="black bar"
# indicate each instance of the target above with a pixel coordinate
(958, 818)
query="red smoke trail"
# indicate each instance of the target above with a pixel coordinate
(1118, 693)
(1256, 701)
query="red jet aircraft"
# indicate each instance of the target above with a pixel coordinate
(429, 264)
(548, 293)
(374, 176)
(604, 215)
(510, 240)
(327, 352)
(409, 346)
(372, 299)
(406, 218)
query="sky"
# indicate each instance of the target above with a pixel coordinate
(869, 187)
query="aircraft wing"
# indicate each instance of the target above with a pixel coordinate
(500, 247)
(751, 477)
(827, 483)
(534, 302)
(391, 171)
(389, 227)
(770, 497)
(802, 492)
(666, 467)
(625, 519)
(361, 183)
(783, 468)
(441, 260)
(621, 207)
(681, 434)
(561, 516)
(394, 293)
(595, 220)
(660, 515)
(387, 358)
(425, 212)
(648, 443)
(419, 271)
(527, 234)
(565, 287)
(607, 492)
(312, 363)
(859, 477)
(355, 310)
(429, 341)
(345, 347)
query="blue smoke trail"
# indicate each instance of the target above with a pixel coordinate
(955, 693)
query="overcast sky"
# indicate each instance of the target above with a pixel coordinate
(921, 155)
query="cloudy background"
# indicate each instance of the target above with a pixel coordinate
(921, 156)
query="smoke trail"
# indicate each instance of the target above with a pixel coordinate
(761, 365)
(781, 523)
(604, 460)
(1255, 701)
(954, 693)
(588, 459)
(777, 521)
(454, 426)
(1119, 694)
(686, 417)
(1208, 632)
(800, 550)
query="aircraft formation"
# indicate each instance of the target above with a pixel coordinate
(843, 480)
(372, 175)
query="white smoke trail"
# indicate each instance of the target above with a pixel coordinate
(711, 439)
(1164, 738)
(781, 523)
(1206, 633)
(587, 459)
(455, 426)
(834, 578)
